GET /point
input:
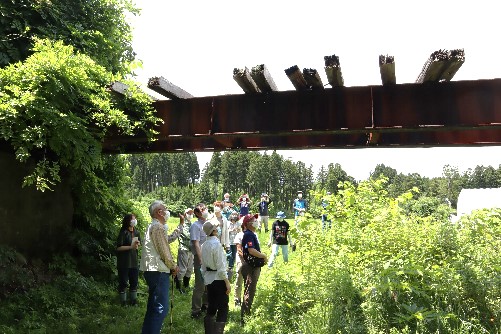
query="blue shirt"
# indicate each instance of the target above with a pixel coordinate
(250, 240)
(299, 203)
(197, 233)
(244, 208)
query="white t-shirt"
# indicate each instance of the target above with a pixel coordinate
(238, 240)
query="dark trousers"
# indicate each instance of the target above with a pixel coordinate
(250, 276)
(218, 300)
(325, 221)
(233, 254)
(127, 277)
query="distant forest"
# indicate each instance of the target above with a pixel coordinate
(176, 178)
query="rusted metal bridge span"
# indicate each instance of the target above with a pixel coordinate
(458, 113)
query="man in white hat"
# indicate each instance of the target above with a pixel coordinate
(279, 238)
(214, 270)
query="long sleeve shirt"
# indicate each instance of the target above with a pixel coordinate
(263, 207)
(175, 234)
(161, 242)
(213, 257)
(184, 237)
(225, 234)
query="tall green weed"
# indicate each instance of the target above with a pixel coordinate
(382, 269)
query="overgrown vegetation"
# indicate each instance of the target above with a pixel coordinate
(57, 62)
(391, 263)
(55, 109)
(379, 269)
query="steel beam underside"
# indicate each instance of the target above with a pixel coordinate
(459, 113)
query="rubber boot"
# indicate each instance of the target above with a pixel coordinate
(133, 297)
(186, 283)
(123, 299)
(178, 285)
(209, 325)
(219, 327)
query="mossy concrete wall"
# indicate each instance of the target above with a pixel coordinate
(35, 223)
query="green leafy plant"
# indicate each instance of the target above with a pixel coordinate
(55, 110)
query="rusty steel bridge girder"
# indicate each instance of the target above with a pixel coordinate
(459, 113)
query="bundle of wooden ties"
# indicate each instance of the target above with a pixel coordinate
(258, 80)
(441, 66)
(333, 71)
(309, 79)
(387, 69)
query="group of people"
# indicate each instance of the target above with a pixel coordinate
(218, 248)
(242, 208)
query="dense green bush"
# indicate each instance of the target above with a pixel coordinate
(380, 270)
(15, 274)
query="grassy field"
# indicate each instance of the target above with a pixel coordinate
(77, 304)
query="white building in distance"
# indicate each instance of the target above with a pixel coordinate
(475, 199)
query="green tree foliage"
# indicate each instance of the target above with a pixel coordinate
(240, 172)
(452, 183)
(212, 176)
(424, 206)
(185, 169)
(100, 204)
(382, 170)
(321, 179)
(379, 269)
(234, 169)
(274, 170)
(55, 109)
(335, 175)
(97, 28)
(153, 170)
(483, 177)
(235, 172)
(258, 176)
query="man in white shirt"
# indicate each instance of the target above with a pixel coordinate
(214, 270)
